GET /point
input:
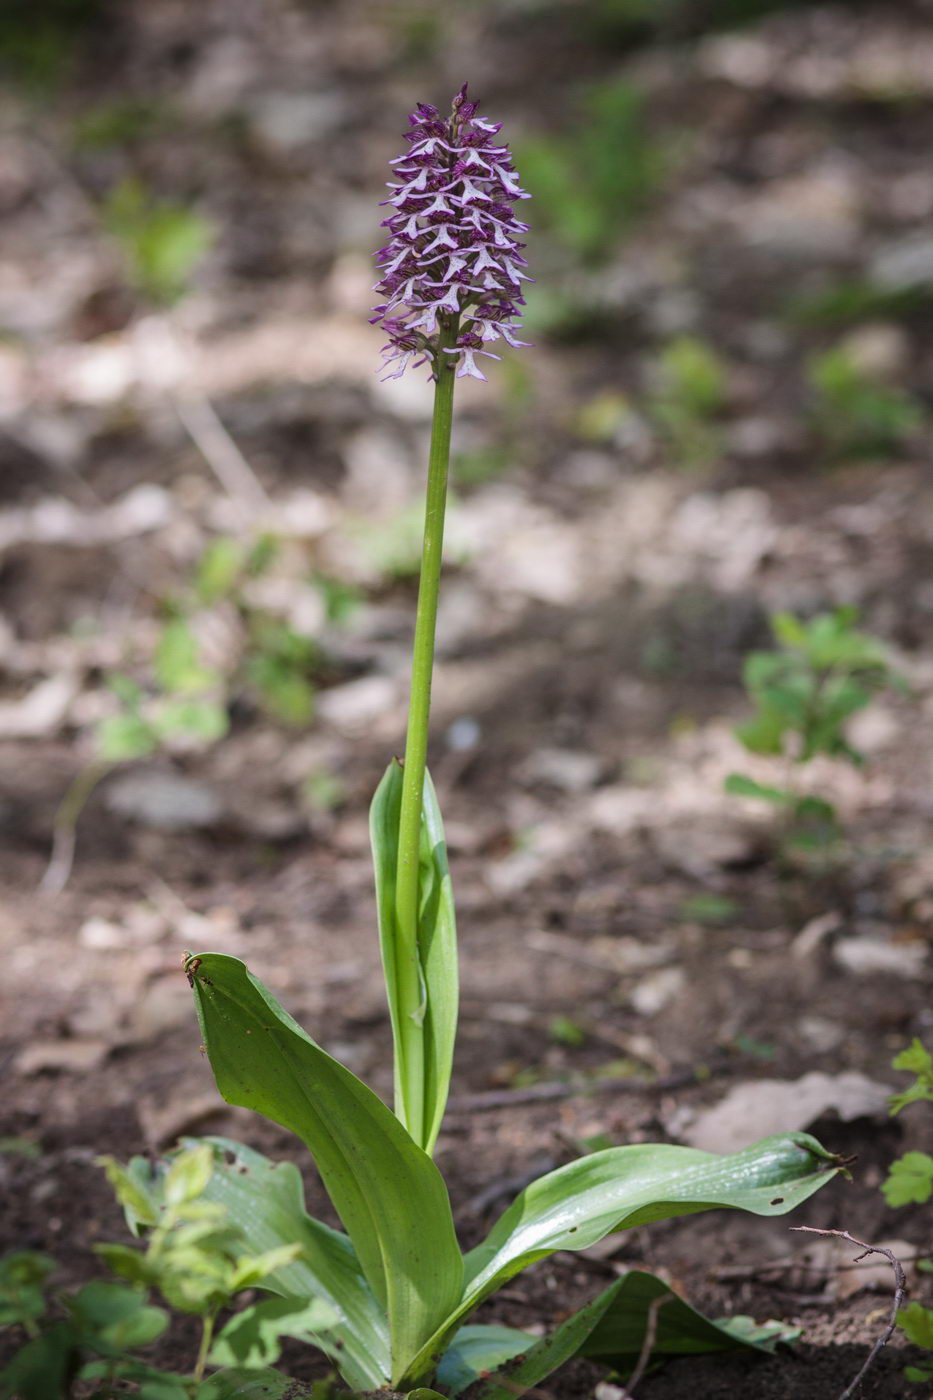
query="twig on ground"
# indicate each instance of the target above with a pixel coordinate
(736, 1272)
(544, 1093)
(58, 870)
(198, 417)
(900, 1289)
(648, 1341)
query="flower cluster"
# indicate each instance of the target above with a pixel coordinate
(452, 259)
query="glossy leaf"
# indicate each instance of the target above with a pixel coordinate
(437, 946)
(252, 1337)
(621, 1187)
(240, 1383)
(612, 1328)
(477, 1348)
(388, 1193)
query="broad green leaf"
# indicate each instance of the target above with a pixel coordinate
(131, 1192)
(437, 945)
(240, 1383)
(153, 1384)
(23, 1280)
(576, 1205)
(611, 1329)
(219, 569)
(41, 1370)
(177, 664)
(788, 630)
(910, 1179)
(251, 1337)
(764, 734)
(188, 1175)
(201, 719)
(388, 1193)
(251, 1269)
(477, 1348)
(265, 1201)
(916, 1322)
(122, 737)
(740, 786)
(621, 1187)
(618, 1336)
(916, 1060)
(117, 1318)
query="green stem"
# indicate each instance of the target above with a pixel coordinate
(207, 1336)
(411, 1108)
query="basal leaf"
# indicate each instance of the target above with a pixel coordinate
(437, 946)
(478, 1348)
(241, 1383)
(621, 1187)
(388, 1193)
(612, 1328)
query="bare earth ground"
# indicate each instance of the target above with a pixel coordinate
(598, 605)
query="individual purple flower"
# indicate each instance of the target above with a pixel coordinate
(453, 258)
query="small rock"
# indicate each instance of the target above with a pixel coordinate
(101, 933)
(866, 957)
(760, 1107)
(814, 932)
(571, 770)
(40, 711)
(356, 704)
(701, 848)
(164, 801)
(286, 121)
(463, 734)
(880, 350)
(74, 1056)
(903, 262)
(656, 991)
(820, 1034)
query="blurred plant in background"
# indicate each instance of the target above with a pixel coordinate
(689, 396)
(823, 672)
(221, 646)
(855, 413)
(910, 1180)
(87, 1340)
(592, 181)
(163, 242)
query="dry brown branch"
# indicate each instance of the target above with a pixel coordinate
(647, 1346)
(544, 1093)
(900, 1288)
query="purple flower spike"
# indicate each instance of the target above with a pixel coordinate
(453, 249)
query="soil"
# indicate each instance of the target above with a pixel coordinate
(620, 917)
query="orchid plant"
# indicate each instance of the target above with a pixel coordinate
(399, 1290)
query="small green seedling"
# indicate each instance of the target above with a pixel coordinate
(823, 672)
(87, 1342)
(593, 182)
(162, 242)
(910, 1181)
(181, 700)
(856, 414)
(690, 396)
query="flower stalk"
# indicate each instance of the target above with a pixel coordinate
(407, 901)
